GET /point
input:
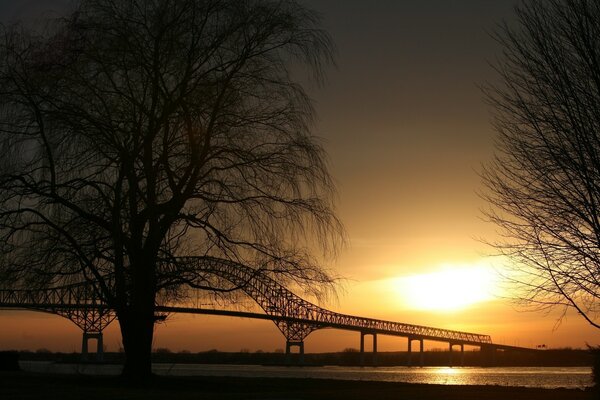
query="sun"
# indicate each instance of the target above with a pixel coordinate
(448, 288)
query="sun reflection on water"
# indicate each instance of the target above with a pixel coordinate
(447, 371)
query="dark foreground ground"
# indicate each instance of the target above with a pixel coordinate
(21, 385)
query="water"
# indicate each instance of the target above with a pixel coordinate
(544, 377)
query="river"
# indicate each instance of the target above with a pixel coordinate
(544, 377)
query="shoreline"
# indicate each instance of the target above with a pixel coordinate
(19, 385)
(546, 358)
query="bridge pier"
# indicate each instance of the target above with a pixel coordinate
(288, 351)
(99, 345)
(462, 353)
(421, 359)
(362, 348)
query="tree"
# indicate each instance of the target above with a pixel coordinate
(137, 132)
(544, 185)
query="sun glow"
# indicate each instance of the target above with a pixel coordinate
(450, 288)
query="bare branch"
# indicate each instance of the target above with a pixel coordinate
(544, 185)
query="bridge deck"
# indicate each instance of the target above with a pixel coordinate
(333, 325)
(49, 307)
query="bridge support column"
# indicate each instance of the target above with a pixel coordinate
(421, 359)
(362, 348)
(462, 353)
(99, 345)
(374, 349)
(288, 351)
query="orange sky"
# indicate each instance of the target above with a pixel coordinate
(406, 131)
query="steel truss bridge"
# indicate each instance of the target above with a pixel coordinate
(295, 317)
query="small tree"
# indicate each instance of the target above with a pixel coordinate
(544, 185)
(135, 132)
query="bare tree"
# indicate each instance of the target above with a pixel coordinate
(136, 132)
(544, 185)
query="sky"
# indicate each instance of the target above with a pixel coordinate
(406, 129)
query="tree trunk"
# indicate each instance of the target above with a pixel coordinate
(137, 330)
(137, 320)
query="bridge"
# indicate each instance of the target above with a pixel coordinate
(295, 317)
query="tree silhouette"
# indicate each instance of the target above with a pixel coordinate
(544, 184)
(137, 132)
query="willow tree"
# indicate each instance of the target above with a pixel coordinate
(544, 185)
(136, 132)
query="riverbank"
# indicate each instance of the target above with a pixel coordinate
(349, 357)
(25, 385)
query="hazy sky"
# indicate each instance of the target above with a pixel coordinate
(406, 130)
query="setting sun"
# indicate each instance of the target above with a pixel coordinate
(449, 288)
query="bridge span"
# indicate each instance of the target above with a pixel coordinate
(295, 317)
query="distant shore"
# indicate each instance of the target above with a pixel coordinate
(349, 357)
(24, 385)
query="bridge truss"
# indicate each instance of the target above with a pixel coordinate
(295, 317)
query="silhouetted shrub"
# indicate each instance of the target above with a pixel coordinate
(43, 350)
(162, 350)
(9, 361)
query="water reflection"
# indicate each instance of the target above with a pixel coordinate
(546, 377)
(447, 371)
